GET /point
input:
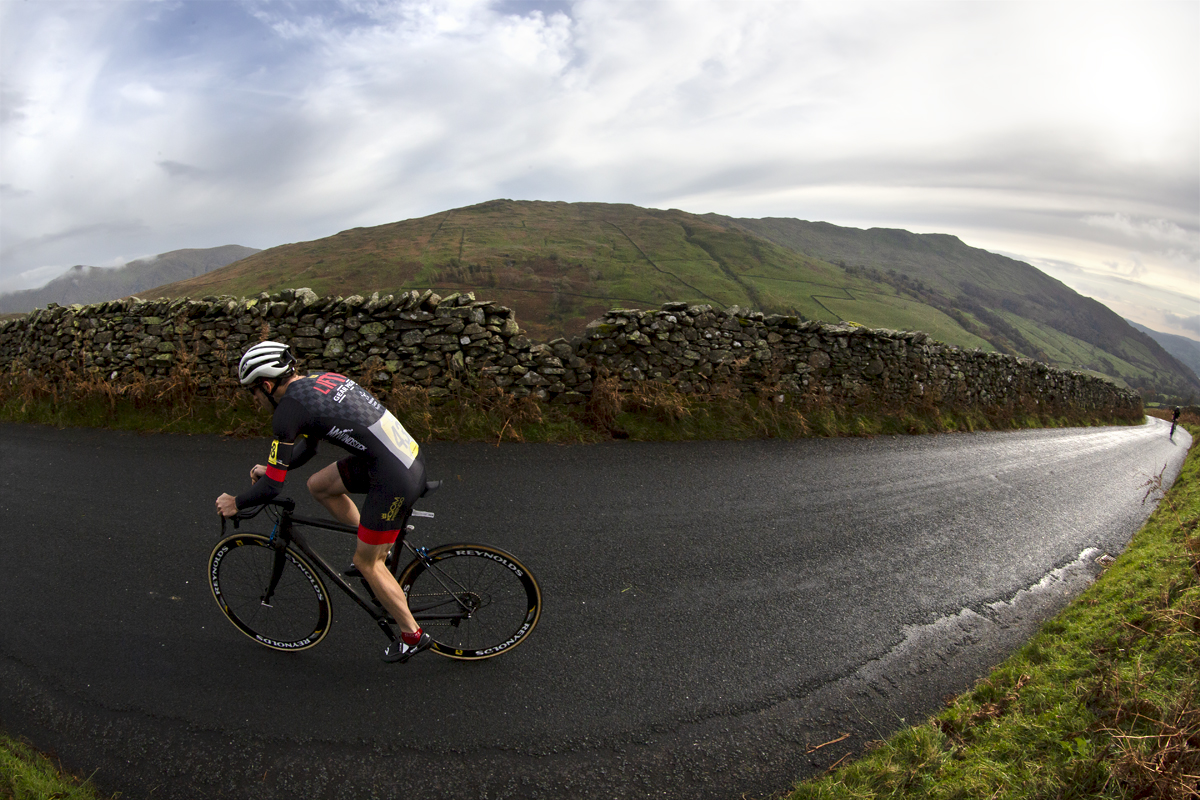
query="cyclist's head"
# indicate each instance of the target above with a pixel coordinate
(265, 361)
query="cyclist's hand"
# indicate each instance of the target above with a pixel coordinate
(227, 505)
(256, 472)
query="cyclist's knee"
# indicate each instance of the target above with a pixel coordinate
(366, 557)
(317, 486)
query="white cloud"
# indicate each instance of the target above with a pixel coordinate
(1190, 324)
(141, 93)
(178, 170)
(1030, 128)
(12, 102)
(30, 279)
(1159, 231)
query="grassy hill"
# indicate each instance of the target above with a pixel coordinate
(1185, 349)
(1008, 302)
(82, 284)
(560, 265)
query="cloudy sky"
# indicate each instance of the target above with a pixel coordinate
(1063, 134)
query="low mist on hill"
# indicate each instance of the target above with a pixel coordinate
(83, 284)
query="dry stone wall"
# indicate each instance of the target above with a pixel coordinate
(446, 344)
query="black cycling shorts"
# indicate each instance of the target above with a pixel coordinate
(391, 490)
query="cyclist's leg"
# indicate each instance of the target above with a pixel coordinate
(371, 562)
(393, 488)
(329, 487)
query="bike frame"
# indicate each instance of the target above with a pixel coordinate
(285, 535)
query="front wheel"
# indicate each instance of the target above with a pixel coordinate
(474, 600)
(297, 614)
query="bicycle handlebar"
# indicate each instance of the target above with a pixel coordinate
(282, 502)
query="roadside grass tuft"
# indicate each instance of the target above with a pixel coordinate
(1104, 702)
(26, 774)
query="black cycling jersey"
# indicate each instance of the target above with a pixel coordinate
(330, 406)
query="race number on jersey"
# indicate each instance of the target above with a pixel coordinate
(389, 431)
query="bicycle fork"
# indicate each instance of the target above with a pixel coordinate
(276, 568)
(279, 544)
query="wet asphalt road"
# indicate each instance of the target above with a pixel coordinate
(712, 611)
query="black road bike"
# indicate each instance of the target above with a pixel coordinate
(474, 600)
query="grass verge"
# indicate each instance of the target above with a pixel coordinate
(1104, 702)
(649, 412)
(26, 774)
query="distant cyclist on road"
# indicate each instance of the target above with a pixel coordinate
(384, 463)
(1174, 422)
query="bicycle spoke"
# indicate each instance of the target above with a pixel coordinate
(501, 599)
(298, 614)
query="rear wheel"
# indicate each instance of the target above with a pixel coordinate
(475, 601)
(295, 617)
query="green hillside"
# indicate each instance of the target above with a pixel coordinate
(1010, 303)
(561, 265)
(1185, 349)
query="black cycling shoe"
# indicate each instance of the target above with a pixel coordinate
(399, 652)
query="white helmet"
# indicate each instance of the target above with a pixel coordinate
(265, 360)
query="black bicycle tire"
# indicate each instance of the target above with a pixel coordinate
(510, 589)
(244, 583)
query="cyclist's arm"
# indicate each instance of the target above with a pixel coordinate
(303, 448)
(290, 449)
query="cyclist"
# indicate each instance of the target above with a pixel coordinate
(384, 463)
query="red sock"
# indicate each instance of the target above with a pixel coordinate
(411, 638)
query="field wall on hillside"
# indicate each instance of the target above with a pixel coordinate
(456, 344)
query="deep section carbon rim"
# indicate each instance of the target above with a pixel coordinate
(239, 572)
(475, 601)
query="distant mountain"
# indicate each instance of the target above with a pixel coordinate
(81, 284)
(560, 265)
(1185, 349)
